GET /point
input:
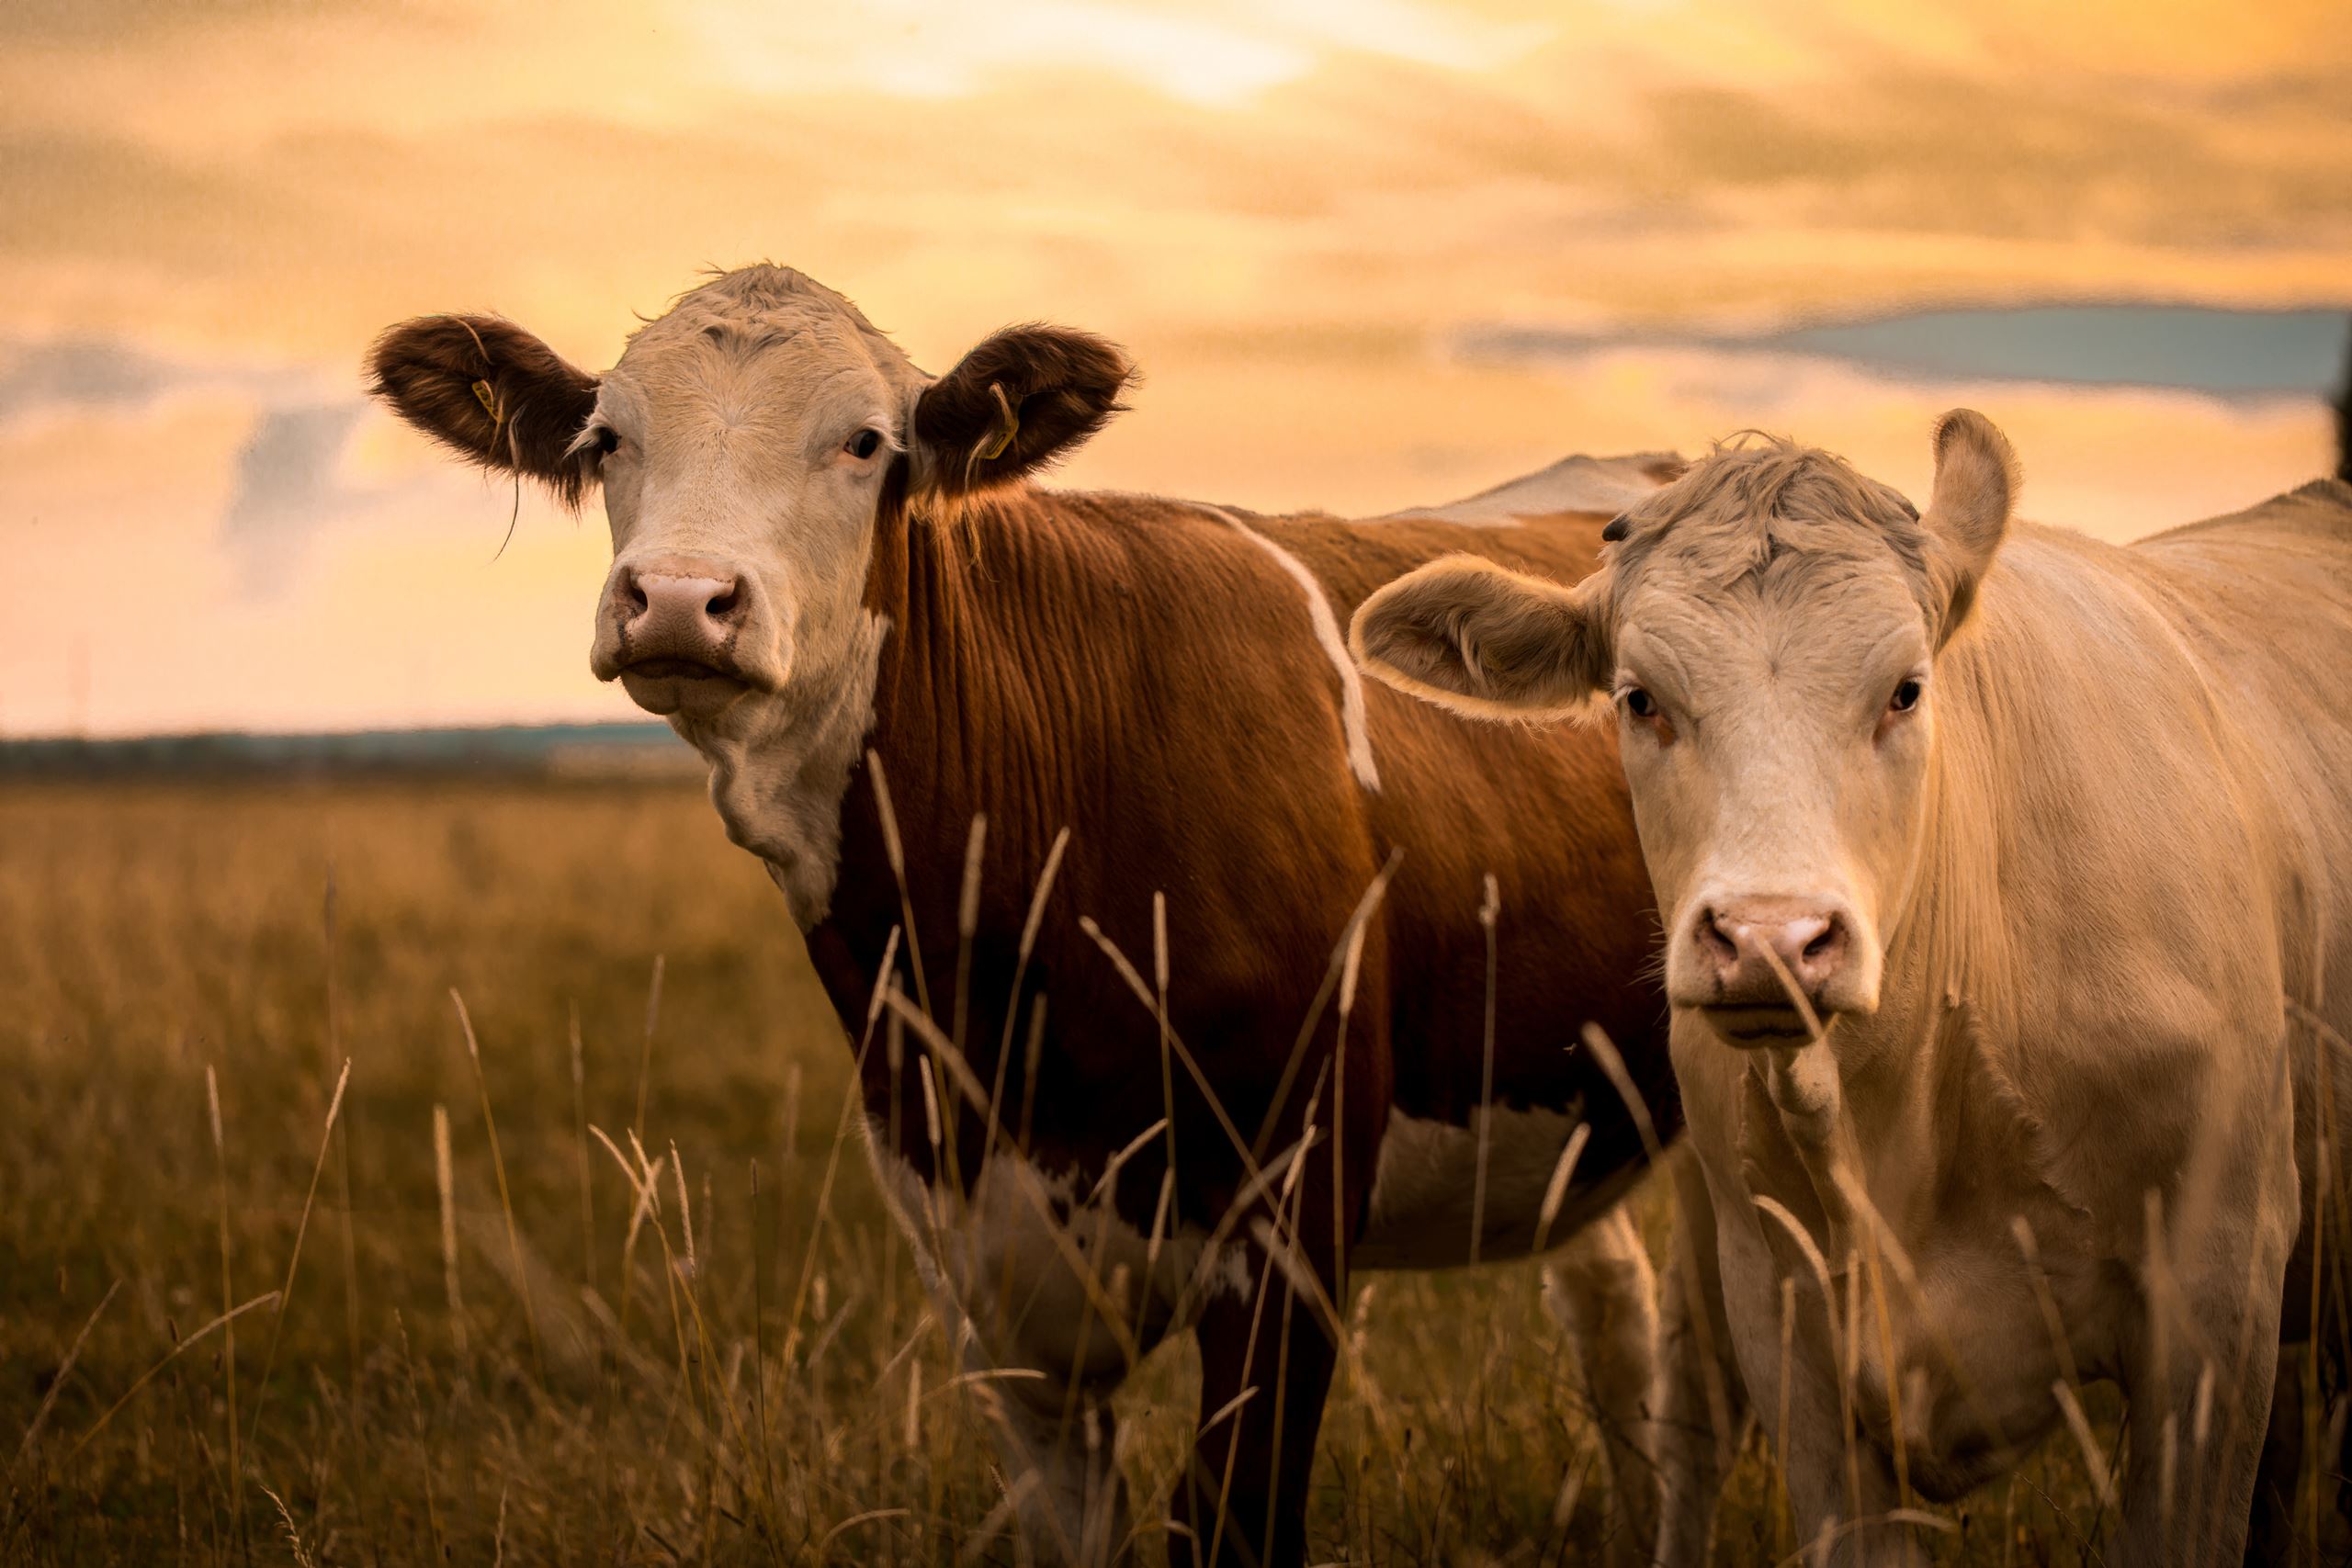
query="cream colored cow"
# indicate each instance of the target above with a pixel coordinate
(2007, 887)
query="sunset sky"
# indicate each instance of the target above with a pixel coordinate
(1370, 253)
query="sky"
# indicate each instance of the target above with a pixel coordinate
(1370, 253)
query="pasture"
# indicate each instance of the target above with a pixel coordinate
(462, 1323)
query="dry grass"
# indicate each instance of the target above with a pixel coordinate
(521, 1353)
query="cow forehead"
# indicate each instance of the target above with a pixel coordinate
(1816, 622)
(1769, 513)
(766, 345)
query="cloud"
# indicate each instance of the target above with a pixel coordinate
(46, 376)
(2218, 352)
(290, 481)
(78, 373)
(289, 477)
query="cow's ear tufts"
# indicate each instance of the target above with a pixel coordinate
(1020, 400)
(491, 393)
(1470, 636)
(1977, 484)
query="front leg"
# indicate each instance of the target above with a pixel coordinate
(2200, 1378)
(1840, 1484)
(1267, 1356)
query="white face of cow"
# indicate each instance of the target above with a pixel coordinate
(742, 453)
(750, 444)
(1767, 629)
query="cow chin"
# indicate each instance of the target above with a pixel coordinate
(674, 688)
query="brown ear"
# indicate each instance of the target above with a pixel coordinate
(1468, 635)
(1967, 517)
(491, 393)
(1022, 398)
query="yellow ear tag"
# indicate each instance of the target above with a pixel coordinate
(1011, 427)
(488, 398)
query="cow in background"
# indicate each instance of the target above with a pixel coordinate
(1222, 974)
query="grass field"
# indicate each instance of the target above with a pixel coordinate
(472, 1354)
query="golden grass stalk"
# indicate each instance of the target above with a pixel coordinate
(1489, 916)
(228, 1304)
(580, 1143)
(2102, 1479)
(1555, 1190)
(505, 1198)
(302, 1558)
(424, 1445)
(143, 1379)
(896, 854)
(57, 1379)
(294, 1258)
(444, 1179)
(653, 1024)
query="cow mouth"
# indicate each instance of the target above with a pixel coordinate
(680, 670)
(669, 686)
(1753, 1025)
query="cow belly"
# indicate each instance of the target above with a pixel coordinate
(1426, 1207)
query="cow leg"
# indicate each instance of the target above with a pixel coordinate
(1701, 1399)
(1266, 1364)
(2211, 1307)
(2270, 1529)
(1061, 1462)
(1838, 1493)
(1600, 1290)
(2163, 1409)
(1002, 1269)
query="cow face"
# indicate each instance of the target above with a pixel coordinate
(1767, 629)
(746, 443)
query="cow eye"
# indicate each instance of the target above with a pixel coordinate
(1639, 703)
(1906, 695)
(608, 440)
(865, 443)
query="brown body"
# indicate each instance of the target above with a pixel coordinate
(1139, 672)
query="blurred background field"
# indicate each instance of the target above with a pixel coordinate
(744, 1409)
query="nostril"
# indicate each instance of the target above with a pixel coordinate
(1714, 940)
(637, 603)
(1821, 946)
(723, 605)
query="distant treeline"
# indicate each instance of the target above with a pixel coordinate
(561, 751)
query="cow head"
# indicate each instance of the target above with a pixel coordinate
(746, 445)
(1767, 628)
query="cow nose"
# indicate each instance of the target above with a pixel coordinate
(1741, 939)
(678, 608)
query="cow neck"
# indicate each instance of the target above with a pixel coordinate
(979, 705)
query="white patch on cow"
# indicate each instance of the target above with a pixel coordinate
(1423, 1187)
(780, 766)
(1335, 648)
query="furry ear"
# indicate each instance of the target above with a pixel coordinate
(1968, 514)
(491, 393)
(1470, 636)
(1020, 400)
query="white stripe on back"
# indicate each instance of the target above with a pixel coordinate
(1335, 646)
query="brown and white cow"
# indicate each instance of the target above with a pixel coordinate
(914, 672)
(2007, 885)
